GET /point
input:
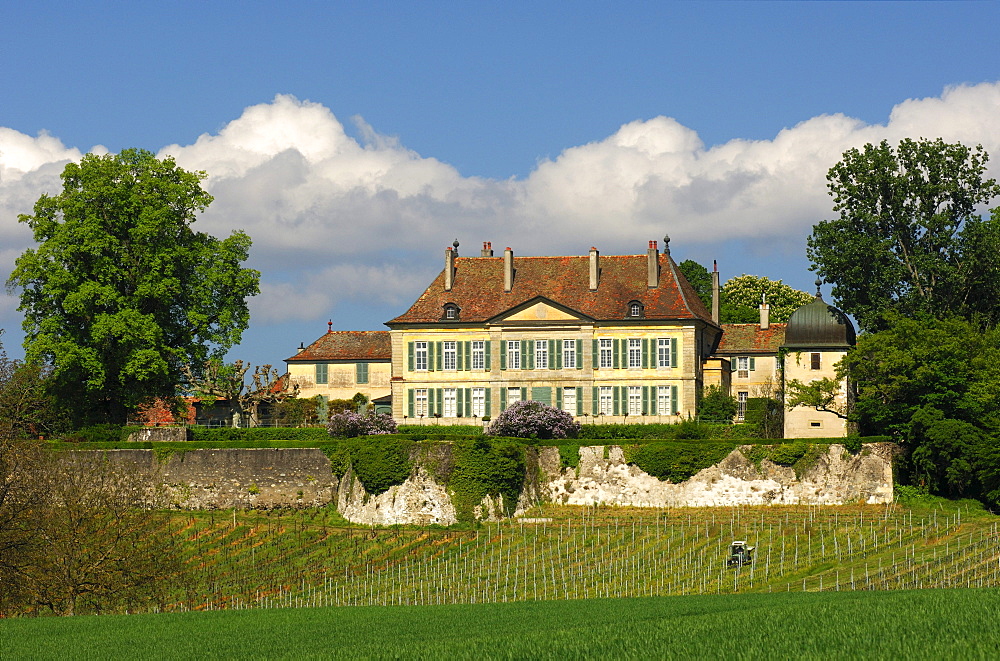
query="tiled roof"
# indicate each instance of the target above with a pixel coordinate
(347, 345)
(479, 281)
(749, 338)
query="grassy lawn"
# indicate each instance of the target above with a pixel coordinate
(925, 624)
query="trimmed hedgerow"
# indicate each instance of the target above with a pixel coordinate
(678, 460)
(441, 430)
(211, 434)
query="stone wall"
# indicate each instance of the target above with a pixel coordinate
(270, 478)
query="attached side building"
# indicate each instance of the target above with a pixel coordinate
(622, 338)
(341, 364)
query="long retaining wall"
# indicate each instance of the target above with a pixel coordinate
(271, 478)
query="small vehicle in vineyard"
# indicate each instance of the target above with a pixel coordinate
(740, 553)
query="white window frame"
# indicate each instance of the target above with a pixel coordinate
(741, 404)
(569, 400)
(743, 367)
(478, 355)
(449, 351)
(569, 354)
(634, 353)
(605, 353)
(606, 400)
(513, 354)
(449, 403)
(664, 402)
(634, 400)
(663, 352)
(541, 354)
(420, 356)
(420, 402)
(479, 402)
(513, 395)
(634, 310)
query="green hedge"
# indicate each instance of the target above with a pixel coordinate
(209, 434)
(678, 460)
(442, 430)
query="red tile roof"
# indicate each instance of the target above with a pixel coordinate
(347, 345)
(479, 282)
(749, 338)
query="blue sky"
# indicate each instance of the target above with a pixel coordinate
(354, 141)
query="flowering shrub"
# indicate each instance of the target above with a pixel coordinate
(351, 424)
(534, 420)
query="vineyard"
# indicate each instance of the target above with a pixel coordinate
(290, 558)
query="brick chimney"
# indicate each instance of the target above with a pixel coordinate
(595, 268)
(449, 268)
(765, 312)
(715, 291)
(652, 266)
(508, 269)
(487, 249)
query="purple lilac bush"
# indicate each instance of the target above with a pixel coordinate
(534, 420)
(351, 424)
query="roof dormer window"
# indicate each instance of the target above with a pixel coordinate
(635, 310)
(450, 311)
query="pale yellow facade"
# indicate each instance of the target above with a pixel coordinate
(807, 366)
(343, 379)
(597, 372)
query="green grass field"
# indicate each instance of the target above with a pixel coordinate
(923, 624)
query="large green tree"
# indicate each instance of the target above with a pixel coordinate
(740, 299)
(908, 237)
(121, 292)
(700, 279)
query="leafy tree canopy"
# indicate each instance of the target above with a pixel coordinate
(908, 238)
(120, 292)
(716, 405)
(700, 279)
(740, 299)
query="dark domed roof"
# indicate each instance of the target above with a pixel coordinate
(819, 325)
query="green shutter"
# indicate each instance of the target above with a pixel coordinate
(542, 394)
(430, 402)
(645, 400)
(361, 372)
(559, 398)
(616, 358)
(468, 402)
(487, 403)
(673, 400)
(673, 352)
(554, 355)
(503, 354)
(409, 355)
(527, 354)
(579, 355)
(439, 404)
(524, 393)
(460, 401)
(654, 399)
(596, 358)
(409, 401)
(752, 363)
(645, 353)
(503, 399)
(733, 362)
(596, 403)
(438, 356)
(579, 399)
(616, 394)
(487, 347)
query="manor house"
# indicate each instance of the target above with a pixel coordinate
(621, 338)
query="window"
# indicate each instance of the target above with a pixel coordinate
(321, 373)
(478, 355)
(664, 405)
(606, 360)
(743, 367)
(514, 354)
(513, 395)
(479, 402)
(420, 402)
(449, 353)
(569, 400)
(541, 354)
(815, 363)
(569, 354)
(449, 408)
(450, 313)
(606, 402)
(420, 352)
(635, 353)
(663, 352)
(361, 372)
(635, 309)
(635, 400)
(741, 405)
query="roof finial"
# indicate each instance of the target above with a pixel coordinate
(666, 244)
(329, 326)
(819, 283)
(455, 243)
